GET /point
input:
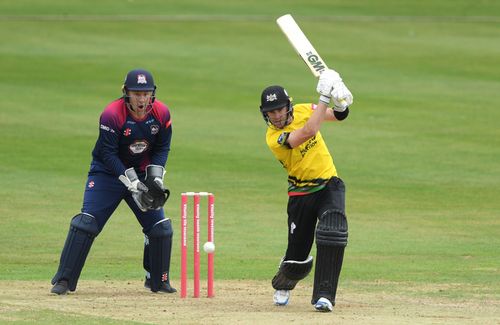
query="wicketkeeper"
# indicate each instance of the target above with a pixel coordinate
(316, 205)
(128, 164)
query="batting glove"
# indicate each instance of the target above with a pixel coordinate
(326, 82)
(341, 96)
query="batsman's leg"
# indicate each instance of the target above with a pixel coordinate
(288, 275)
(83, 229)
(331, 239)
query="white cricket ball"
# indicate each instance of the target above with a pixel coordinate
(209, 247)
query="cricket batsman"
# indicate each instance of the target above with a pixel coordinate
(316, 205)
(127, 164)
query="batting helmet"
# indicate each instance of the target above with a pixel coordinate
(275, 97)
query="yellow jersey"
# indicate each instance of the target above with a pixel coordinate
(310, 164)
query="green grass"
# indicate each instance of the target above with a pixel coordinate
(419, 152)
(461, 8)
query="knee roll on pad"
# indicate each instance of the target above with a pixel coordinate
(157, 251)
(162, 228)
(82, 231)
(332, 229)
(86, 223)
(291, 272)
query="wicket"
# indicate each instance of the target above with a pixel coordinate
(196, 243)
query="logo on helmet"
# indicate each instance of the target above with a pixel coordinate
(271, 97)
(141, 79)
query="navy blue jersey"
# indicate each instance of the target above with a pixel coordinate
(125, 142)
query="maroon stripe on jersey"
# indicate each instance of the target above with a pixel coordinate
(161, 113)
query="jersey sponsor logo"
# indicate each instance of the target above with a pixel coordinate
(154, 129)
(107, 128)
(309, 144)
(127, 132)
(138, 147)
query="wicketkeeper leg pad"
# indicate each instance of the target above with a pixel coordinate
(157, 251)
(331, 239)
(82, 231)
(291, 272)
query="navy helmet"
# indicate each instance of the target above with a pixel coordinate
(139, 80)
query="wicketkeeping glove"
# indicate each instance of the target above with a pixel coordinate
(157, 191)
(137, 188)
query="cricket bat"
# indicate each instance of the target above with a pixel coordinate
(301, 44)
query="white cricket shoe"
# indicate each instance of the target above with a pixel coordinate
(281, 297)
(323, 305)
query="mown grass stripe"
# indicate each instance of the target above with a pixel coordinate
(241, 18)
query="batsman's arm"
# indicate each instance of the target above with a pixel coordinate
(325, 85)
(312, 126)
(334, 115)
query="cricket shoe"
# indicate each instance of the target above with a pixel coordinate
(60, 288)
(164, 287)
(281, 297)
(323, 305)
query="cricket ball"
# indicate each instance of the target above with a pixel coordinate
(209, 247)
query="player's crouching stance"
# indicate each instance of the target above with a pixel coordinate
(316, 205)
(128, 159)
